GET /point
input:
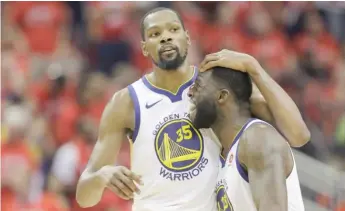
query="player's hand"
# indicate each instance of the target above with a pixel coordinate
(120, 180)
(229, 59)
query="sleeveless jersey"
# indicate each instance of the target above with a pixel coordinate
(178, 163)
(233, 190)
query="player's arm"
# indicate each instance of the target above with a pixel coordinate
(276, 106)
(100, 171)
(269, 161)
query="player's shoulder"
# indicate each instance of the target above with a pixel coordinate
(120, 106)
(121, 99)
(262, 137)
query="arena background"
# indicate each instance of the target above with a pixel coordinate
(61, 62)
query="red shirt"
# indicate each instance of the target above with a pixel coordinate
(272, 50)
(324, 47)
(94, 109)
(115, 18)
(48, 201)
(41, 23)
(14, 158)
(63, 111)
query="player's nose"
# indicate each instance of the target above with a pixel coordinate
(166, 40)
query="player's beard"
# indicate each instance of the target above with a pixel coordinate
(206, 114)
(172, 64)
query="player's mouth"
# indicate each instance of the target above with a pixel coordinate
(168, 50)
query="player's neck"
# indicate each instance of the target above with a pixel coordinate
(171, 80)
(228, 127)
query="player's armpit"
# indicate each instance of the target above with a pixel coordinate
(283, 109)
(116, 118)
(269, 161)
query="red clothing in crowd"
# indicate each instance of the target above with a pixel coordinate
(40, 22)
(16, 157)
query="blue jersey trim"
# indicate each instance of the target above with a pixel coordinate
(173, 97)
(135, 100)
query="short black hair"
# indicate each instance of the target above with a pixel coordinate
(142, 26)
(239, 83)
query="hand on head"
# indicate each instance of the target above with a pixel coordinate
(228, 59)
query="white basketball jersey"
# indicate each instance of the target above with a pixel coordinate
(178, 163)
(233, 190)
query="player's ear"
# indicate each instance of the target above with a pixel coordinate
(188, 38)
(144, 49)
(223, 95)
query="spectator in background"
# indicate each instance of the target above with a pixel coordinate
(267, 43)
(17, 160)
(56, 103)
(45, 29)
(335, 16)
(316, 43)
(319, 57)
(207, 23)
(69, 162)
(42, 24)
(60, 106)
(219, 30)
(13, 72)
(107, 22)
(93, 96)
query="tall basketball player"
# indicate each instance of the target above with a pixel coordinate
(174, 166)
(259, 172)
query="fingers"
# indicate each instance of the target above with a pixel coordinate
(118, 191)
(209, 65)
(133, 176)
(122, 183)
(121, 186)
(208, 58)
(129, 183)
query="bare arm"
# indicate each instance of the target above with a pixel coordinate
(269, 162)
(112, 131)
(259, 107)
(277, 107)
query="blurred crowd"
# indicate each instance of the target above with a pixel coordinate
(62, 61)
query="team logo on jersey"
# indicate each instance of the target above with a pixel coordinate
(179, 148)
(223, 201)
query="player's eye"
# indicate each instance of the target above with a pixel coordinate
(154, 34)
(174, 29)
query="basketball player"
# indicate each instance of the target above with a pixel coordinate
(259, 172)
(174, 166)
